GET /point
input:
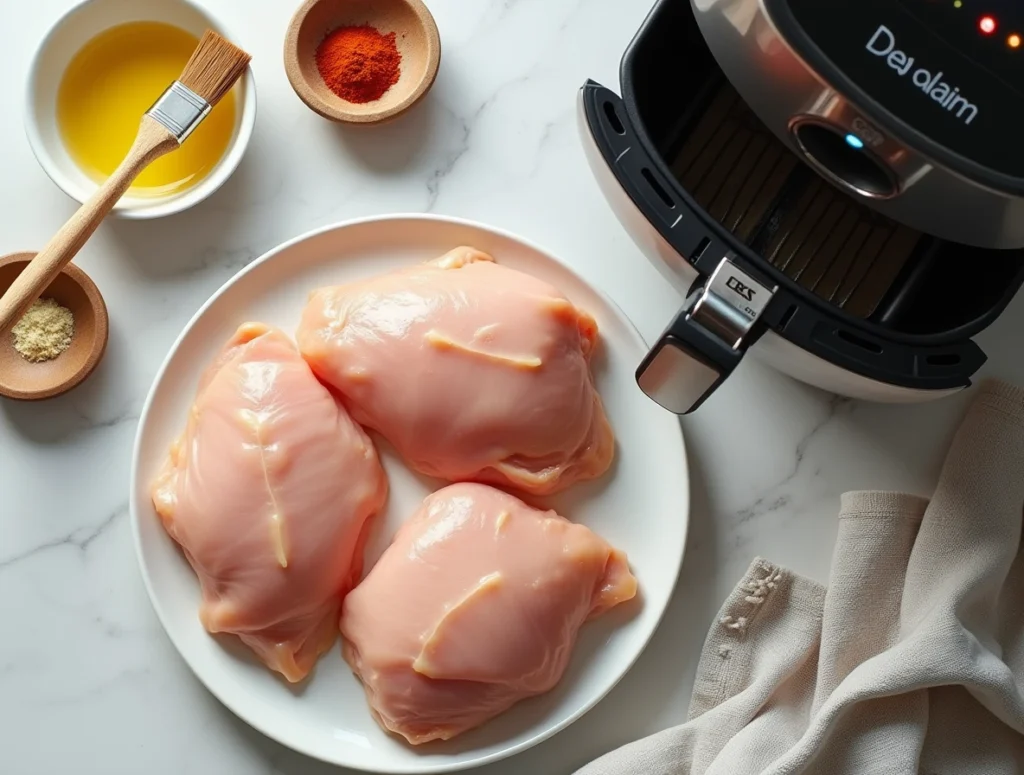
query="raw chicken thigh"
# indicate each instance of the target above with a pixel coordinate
(268, 492)
(475, 372)
(475, 606)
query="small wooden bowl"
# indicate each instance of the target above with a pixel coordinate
(418, 42)
(27, 381)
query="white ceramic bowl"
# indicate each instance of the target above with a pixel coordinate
(64, 40)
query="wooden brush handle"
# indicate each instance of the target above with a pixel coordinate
(152, 142)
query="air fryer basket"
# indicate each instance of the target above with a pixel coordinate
(853, 287)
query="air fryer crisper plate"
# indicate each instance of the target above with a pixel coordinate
(754, 186)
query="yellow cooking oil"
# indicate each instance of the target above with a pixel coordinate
(108, 87)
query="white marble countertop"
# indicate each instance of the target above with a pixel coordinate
(88, 681)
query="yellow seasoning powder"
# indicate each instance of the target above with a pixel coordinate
(44, 332)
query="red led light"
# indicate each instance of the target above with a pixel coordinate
(987, 24)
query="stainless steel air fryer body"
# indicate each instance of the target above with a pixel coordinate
(941, 152)
(768, 157)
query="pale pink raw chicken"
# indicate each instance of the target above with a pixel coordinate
(474, 606)
(474, 371)
(268, 492)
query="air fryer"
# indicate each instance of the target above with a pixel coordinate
(783, 241)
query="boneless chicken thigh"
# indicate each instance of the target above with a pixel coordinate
(474, 371)
(474, 606)
(268, 492)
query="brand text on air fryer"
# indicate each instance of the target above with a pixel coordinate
(883, 44)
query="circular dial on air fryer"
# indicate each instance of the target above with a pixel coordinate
(951, 70)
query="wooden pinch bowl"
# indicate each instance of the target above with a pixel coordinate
(25, 381)
(418, 42)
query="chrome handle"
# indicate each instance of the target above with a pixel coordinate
(706, 340)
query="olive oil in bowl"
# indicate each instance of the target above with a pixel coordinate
(111, 83)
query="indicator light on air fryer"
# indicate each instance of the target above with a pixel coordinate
(987, 24)
(1013, 41)
(854, 142)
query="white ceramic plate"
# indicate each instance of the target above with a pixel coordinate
(641, 506)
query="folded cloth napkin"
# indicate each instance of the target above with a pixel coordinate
(912, 661)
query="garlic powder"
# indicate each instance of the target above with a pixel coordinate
(44, 332)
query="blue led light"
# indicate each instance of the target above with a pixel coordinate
(854, 142)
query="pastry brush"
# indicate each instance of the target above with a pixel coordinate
(212, 70)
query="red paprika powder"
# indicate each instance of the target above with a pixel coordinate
(358, 63)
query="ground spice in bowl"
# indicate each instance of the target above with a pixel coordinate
(44, 332)
(359, 63)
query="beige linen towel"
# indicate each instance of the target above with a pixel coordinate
(911, 662)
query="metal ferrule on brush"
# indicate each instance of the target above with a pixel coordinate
(180, 109)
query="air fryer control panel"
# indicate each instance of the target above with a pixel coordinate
(989, 32)
(954, 74)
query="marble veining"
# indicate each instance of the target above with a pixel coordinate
(777, 496)
(89, 682)
(80, 538)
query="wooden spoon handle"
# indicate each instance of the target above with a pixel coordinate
(152, 142)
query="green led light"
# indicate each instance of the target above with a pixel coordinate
(958, 3)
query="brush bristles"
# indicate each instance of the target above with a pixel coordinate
(214, 67)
